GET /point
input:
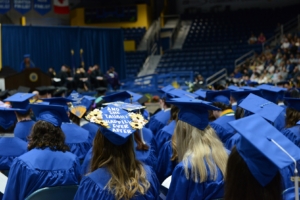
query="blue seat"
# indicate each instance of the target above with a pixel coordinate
(58, 193)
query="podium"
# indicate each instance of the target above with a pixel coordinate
(32, 78)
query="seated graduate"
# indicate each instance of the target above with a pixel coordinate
(292, 129)
(220, 99)
(10, 146)
(233, 101)
(25, 123)
(77, 138)
(201, 155)
(48, 161)
(115, 171)
(259, 161)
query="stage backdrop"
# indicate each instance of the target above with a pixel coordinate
(51, 47)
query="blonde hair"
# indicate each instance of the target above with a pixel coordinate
(128, 176)
(202, 149)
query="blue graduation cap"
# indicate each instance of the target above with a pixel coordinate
(249, 88)
(239, 96)
(257, 105)
(177, 93)
(20, 101)
(252, 83)
(90, 98)
(272, 93)
(26, 55)
(7, 117)
(222, 96)
(126, 106)
(53, 114)
(166, 89)
(60, 101)
(122, 96)
(115, 124)
(234, 88)
(293, 103)
(75, 97)
(260, 147)
(201, 93)
(193, 111)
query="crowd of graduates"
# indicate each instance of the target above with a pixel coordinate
(235, 143)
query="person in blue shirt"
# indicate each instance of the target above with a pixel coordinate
(26, 63)
(201, 155)
(48, 161)
(115, 171)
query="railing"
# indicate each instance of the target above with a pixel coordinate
(216, 77)
(154, 36)
(241, 60)
(174, 33)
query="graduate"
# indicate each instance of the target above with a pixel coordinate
(259, 161)
(48, 161)
(77, 138)
(201, 155)
(10, 146)
(115, 171)
(233, 101)
(292, 129)
(25, 123)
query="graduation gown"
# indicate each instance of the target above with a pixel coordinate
(91, 128)
(165, 134)
(38, 169)
(165, 166)
(10, 148)
(231, 142)
(23, 129)
(77, 138)
(93, 185)
(159, 120)
(183, 188)
(222, 128)
(279, 123)
(293, 133)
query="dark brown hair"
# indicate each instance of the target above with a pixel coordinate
(222, 106)
(174, 113)
(239, 113)
(140, 145)
(44, 134)
(241, 184)
(74, 119)
(292, 117)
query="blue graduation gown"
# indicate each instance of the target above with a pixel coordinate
(231, 142)
(149, 139)
(183, 188)
(293, 133)
(77, 138)
(222, 128)
(23, 129)
(93, 185)
(91, 128)
(85, 166)
(279, 123)
(165, 166)
(10, 148)
(159, 120)
(38, 169)
(165, 134)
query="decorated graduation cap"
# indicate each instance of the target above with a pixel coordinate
(60, 101)
(257, 105)
(293, 103)
(272, 93)
(201, 94)
(193, 111)
(53, 114)
(20, 101)
(264, 149)
(125, 106)
(75, 97)
(222, 96)
(116, 124)
(239, 96)
(177, 93)
(7, 117)
(80, 108)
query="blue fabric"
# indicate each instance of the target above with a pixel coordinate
(23, 129)
(10, 148)
(165, 166)
(222, 128)
(85, 166)
(158, 121)
(233, 107)
(93, 186)
(91, 128)
(22, 66)
(149, 139)
(231, 142)
(41, 168)
(165, 134)
(279, 123)
(102, 46)
(77, 138)
(183, 188)
(293, 134)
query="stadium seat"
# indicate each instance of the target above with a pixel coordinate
(58, 193)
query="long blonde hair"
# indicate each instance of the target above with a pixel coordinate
(202, 149)
(128, 176)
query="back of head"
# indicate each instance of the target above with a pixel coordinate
(292, 117)
(241, 184)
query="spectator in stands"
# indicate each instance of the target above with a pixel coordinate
(271, 68)
(112, 78)
(255, 77)
(297, 42)
(261, 38)
(199, 82)
(252, 39)
(285, 44)
(263, 78)
(293, 48)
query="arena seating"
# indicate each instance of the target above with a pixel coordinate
(135, 34)
(134, 62)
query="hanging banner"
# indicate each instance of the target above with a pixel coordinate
(22, 6)
(61, 6)
(42, 6)
(4, 6)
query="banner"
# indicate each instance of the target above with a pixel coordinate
(4, 6)
(42, 6)
(22, 6)
(61, 6)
